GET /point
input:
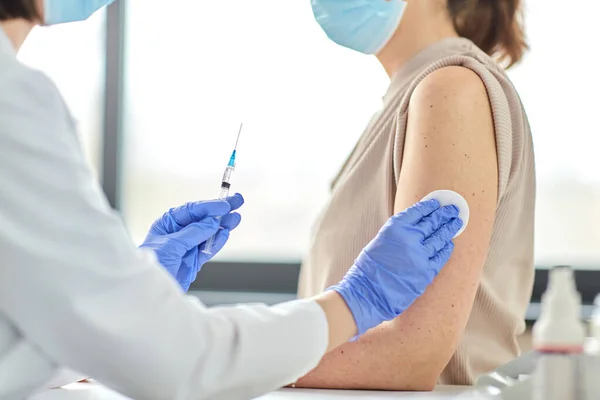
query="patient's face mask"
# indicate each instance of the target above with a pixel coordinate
(361, 25)
(60, 11)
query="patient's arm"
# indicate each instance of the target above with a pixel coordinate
(450, 144)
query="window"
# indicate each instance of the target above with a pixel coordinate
(558, 82)
(195, 70)
(73, 55)
(189, 84)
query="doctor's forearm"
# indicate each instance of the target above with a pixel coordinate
(342, 326)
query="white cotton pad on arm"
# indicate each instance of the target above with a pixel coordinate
(448, 197)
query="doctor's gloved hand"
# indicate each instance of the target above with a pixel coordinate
(178, 237)
(397, 266)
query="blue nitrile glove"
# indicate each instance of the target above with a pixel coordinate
(178, 236)
(396, 267)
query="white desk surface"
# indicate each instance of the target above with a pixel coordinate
(92, 391)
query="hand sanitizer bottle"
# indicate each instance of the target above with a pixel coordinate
(558, 337)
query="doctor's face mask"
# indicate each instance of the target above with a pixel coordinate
(60, 11)
(362, 25)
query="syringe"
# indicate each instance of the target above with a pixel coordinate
(225, 185)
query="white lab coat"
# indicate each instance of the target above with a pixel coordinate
(75, 292)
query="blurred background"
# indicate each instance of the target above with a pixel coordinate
(159, 92)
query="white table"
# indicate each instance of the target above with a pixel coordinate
(92, 391)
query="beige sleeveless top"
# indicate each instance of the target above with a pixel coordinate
(363, 198)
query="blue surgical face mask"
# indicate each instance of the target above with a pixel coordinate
(361, 25)
(60, 11)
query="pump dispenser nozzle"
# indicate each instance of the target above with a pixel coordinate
(559, 328)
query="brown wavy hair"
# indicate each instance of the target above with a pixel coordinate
(495, 26)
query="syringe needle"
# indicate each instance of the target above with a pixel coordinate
(224, 187)
(238, 136)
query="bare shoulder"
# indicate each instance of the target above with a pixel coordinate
(453, 101)
(450, 138)
(450, 84)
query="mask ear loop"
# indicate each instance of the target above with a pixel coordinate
(396, 24)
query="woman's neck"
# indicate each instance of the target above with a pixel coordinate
(17, 30)
(422, 25)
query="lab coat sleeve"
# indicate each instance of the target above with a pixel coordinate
(63, 377)
(74, 285)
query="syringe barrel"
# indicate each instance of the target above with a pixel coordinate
(227, 174)
(208, 246)
(223, 193)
